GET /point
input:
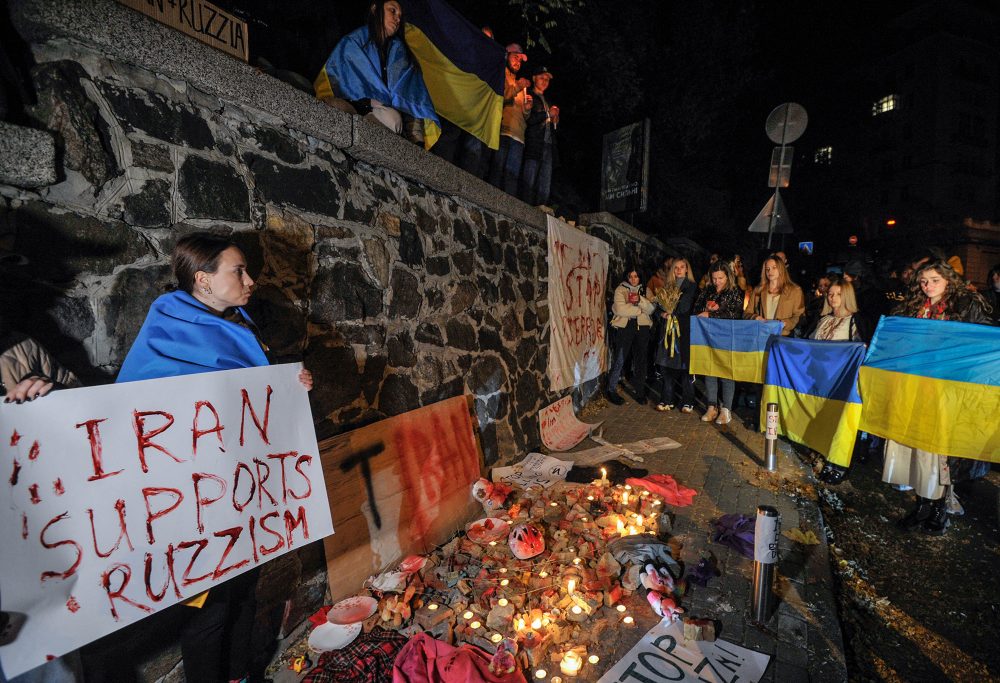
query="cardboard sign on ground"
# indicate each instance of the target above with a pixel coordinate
(398, 487)
(560, 428)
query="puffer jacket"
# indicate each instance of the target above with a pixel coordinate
(623, 311)
(23, 357)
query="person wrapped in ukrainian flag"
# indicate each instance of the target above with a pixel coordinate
(372, 69)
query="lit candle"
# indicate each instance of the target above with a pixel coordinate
(571, 663)
(503, 570)
(475, 624)
(554, 504)
(593, 659)
(536, 624)
(541, 673)
(468, 615)
(638, 520)
(620, 526)
(504, 582)
(590, 498)
(620, 608)
(433, 606)
(543, 574)
(496, 637)
(571, 586)
(502, 602)
(628, 620)
(628, 487)
(632, 530)
(493, 543)
(625, 498)
(604, 477)
(576, 609)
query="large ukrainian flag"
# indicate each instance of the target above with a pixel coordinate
(731, 349)
(463, 68)
(815, 384)
(934, 385)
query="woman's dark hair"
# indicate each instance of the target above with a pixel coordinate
(958, 298)
(194, 252)
(721, 266)
(376, 24)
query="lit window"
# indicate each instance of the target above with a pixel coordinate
(823, 155)
(887, 103)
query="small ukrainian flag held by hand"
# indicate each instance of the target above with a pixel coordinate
(934, 385)
(731, 349)
(815, 384)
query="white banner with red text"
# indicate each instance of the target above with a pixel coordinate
(124, 499)
(578, 275)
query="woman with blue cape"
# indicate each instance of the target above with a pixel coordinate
(201, 327)
(372, 69)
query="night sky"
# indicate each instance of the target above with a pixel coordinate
(706, 73)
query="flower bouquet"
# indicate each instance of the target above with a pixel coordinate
(666, 298)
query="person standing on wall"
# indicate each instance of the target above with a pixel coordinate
(539, 142)
(517, 103)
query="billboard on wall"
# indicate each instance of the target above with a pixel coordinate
(625, 169)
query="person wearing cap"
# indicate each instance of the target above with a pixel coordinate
(517, 103)
(539, 142)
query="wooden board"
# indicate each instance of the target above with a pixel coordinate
(201, 20)
(398, 487)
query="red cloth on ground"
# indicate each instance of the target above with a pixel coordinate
(665, 486)
(427, 660)
(367, 660)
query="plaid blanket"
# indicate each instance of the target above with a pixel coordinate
(368, 659)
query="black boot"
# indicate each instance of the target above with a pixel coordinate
(938, 521)
(920, 513)
(613, 397)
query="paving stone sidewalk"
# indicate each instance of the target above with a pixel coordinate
(725, 466)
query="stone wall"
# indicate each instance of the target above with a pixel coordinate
(399, 280)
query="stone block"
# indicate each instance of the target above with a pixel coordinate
(405, 295)
(125, 307)
(152, 156)
(464, 296)
(342, 291)
(411, 250)
(213, 190)
(154, 115)
(341, 383)
(27, 156)
(310, 189)
(378, 258)
(398, 395)
(487, 376)
(429, 333)
(401, 351)
(288, 247)
(64, 108)
(61, 245)
(278, 143)
(150, 207)
(371, 378)
(461, 335)
(282, 324)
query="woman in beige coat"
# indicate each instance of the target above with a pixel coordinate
(776, 297)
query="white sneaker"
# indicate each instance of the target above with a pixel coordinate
(710, 414)
(725, 417)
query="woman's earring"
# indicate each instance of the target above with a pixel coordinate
(206, 290)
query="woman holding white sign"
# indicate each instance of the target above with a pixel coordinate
(201, 327)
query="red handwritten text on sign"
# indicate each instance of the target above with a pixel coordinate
(142, 494)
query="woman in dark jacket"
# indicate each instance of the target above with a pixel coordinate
(722, 298)
(674, 350)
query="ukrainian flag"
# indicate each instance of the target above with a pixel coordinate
(463, 68)
(934, 385)
(815, 384)
(731, 349)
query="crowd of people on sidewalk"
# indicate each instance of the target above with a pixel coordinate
(372, 72)
(843, 304)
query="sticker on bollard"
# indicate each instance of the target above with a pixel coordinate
(765, 540)
(771, 424)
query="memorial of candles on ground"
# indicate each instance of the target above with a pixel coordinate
(535, 582)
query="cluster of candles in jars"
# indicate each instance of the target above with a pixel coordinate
(619, 511)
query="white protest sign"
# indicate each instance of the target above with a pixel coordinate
(664, 655)
(535, 470)
(578, 275)
(124, 499)
(559, 427)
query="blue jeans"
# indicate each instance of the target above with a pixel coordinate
(536, 178)
(506, 171)
(712, 392)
